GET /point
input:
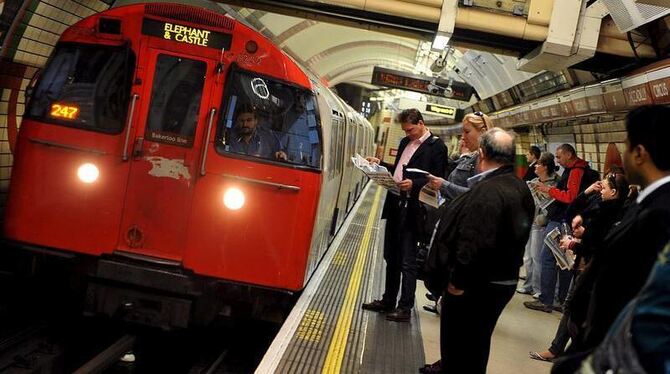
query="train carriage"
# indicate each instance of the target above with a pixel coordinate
(129, 159)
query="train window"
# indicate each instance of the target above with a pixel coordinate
(269, 119)
(85, 86)
(175, 100)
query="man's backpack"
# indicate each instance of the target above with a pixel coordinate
(589, 177)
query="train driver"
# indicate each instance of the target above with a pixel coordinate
(254, 140)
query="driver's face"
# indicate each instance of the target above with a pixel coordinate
(246, 122)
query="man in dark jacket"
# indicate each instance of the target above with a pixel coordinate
(565, 192)
(480, 246)
(622, 263)
(638, 340)
(422, 150)
(533, 155)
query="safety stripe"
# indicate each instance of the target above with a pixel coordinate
(338, 343)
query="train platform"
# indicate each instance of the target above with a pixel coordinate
(328, 332)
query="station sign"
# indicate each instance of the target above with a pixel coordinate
(186, 34)
(419, 83)
(441, 110)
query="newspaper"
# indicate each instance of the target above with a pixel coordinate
(542, 200)
(564, 259)
(377, 173)
(431, 197)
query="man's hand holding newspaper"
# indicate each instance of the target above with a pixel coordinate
(376, 172)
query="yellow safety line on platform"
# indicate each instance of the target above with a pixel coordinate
(338, 343)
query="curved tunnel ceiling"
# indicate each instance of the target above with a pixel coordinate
(342, 54)
(334, 53)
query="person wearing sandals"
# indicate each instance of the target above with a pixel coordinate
(622, 263)
(600, 207)
(545, 168)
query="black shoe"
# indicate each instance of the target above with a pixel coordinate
(434, 368)
(378, 306)
(430, 296)
(431, 308)
(399, 315)
(558, 308)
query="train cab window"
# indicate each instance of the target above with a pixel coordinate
(85, 86)
(269, 119)
(175, 100)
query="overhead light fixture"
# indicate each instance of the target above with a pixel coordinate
(440, 42)
(445, 28)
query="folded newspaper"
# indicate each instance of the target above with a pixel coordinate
(564, 259)
(542, 200)
(431, 197)
(376, 172)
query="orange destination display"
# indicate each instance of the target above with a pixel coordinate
(64, 111)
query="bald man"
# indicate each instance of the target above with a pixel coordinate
(480, 246)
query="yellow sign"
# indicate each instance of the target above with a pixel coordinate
(64, 111)
(185, 34)
(445, 111)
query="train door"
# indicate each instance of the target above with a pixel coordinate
(164, 154)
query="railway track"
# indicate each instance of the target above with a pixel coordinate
(93, 347)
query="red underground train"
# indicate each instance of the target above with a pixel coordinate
(189, 167)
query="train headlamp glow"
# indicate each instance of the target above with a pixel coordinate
(233, 198)
(88, 173)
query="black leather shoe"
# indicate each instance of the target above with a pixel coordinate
(430, 296)
(434, 368)
(431, 309)
(399, 315)
(378, 306)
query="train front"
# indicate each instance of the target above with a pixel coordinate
(176, 154)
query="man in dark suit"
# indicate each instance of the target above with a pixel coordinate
(622, 263)
(479, 249)
(422, 150)
(533, 155)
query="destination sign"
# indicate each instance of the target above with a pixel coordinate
(441, 110)
(419, 83)
(186, 34)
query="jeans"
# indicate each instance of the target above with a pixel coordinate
(551, 273)
(400, 248)
(562, 333)
(531, 259)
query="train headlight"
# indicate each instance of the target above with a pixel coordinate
(233, 198)
(88, 173)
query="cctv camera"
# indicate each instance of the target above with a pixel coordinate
(439, 64)
(433, 88)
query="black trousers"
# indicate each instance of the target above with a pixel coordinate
(400, 247)
(466, 326)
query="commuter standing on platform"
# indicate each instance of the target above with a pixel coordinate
(480, 247)
(533, 155)
(565, 192)
(422, 150)
(545, 167)
(622, 263)
(474, 126)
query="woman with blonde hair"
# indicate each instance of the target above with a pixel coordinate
(474, 126)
